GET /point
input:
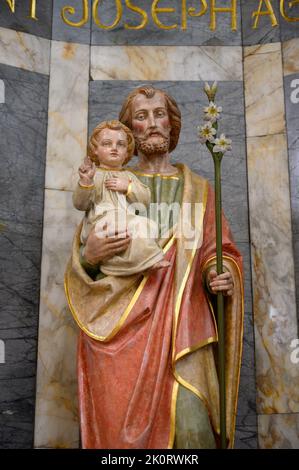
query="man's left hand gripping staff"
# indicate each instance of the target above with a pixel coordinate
(220, 283)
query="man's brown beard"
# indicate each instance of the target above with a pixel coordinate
(152, 148)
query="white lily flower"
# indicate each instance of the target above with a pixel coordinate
(206, 133)
(207, 87)
(210, 90)
(222, 144)
(212, 112)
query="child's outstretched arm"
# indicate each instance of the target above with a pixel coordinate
(84, 190)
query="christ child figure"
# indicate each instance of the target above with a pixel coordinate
(109, 194)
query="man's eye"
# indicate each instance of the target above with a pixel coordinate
(140, 117)
(160, 113)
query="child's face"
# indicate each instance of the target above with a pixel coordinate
(112, 148)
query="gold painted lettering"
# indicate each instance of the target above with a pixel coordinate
(11, 4)
(156, 10)
(232, 10)
(192, 12)
(95, 14)
(33, 10)
(283, 12)
(269, 12)
(72, 11)
(141, 12)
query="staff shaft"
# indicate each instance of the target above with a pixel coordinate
(220, 303)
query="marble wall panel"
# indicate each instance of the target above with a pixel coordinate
(56, 417)
(290, 51)
(68, 108)
(197, 31)
(61, 31)
(21, 21)
(279, 431)
(264, 90)
(24, 51)
(291, 86)
(273, 274)
(246, 432)
(23, 129)
(166, 63)
(265, 32)
(247, 392)
(246, 421)
(56, 422)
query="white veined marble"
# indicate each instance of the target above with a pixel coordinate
(24, 51)
(279, 431)
(290, 50)
(166, 63)
(275, 320)
(68, 113)
(56, 418)
(264, 95)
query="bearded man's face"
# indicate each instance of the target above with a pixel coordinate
(150, 124)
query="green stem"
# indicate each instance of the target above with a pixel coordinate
(220, 303)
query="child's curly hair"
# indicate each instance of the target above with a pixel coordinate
(116, 126)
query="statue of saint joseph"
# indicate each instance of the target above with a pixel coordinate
(147, 376)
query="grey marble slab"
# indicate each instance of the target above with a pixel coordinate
(245, 252)
(197, 31)
(292, 121)
(247, 390)
(17, 412)
(296, 259)
(246, 432)
(265, 32)
(294, 178)
(61, 31)
(20, 21)
(291, 91)
(23, 131)
(23, 145)
(290, 30)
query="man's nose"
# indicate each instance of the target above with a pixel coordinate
(151, 120)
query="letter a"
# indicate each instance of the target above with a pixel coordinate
(11, 4)
(269, 12)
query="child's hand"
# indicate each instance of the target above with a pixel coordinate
(117, 184)
(86, 172)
